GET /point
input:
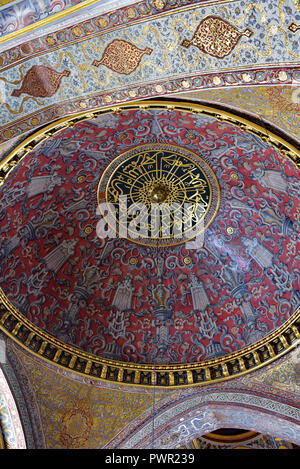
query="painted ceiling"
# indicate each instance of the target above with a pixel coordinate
(136, 303)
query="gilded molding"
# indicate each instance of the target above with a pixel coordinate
(46, 21)
(158, 4)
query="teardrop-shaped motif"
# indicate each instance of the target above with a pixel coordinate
(122, 57)
(41, 81)
(216, 37)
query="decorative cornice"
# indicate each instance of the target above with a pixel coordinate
(131, 12)
(156, 90)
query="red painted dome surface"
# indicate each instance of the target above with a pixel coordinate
(117, 299)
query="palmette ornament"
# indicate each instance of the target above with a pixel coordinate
(41, 82)
(216, 37)
(122, 57)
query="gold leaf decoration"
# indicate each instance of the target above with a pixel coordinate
(41, 81)
(122, 56)
(216, 37)
(293, 27)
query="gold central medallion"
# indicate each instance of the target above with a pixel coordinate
(159, 194)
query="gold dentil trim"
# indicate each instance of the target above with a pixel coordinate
(45, 346)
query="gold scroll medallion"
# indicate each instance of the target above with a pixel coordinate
(216, 37)
(172, 192)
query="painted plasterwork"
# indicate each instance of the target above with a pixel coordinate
(279, 105)
(88, 413)
(258, 442)
(267, 52)
(197, 412)
(20, 415)
(77, 413)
